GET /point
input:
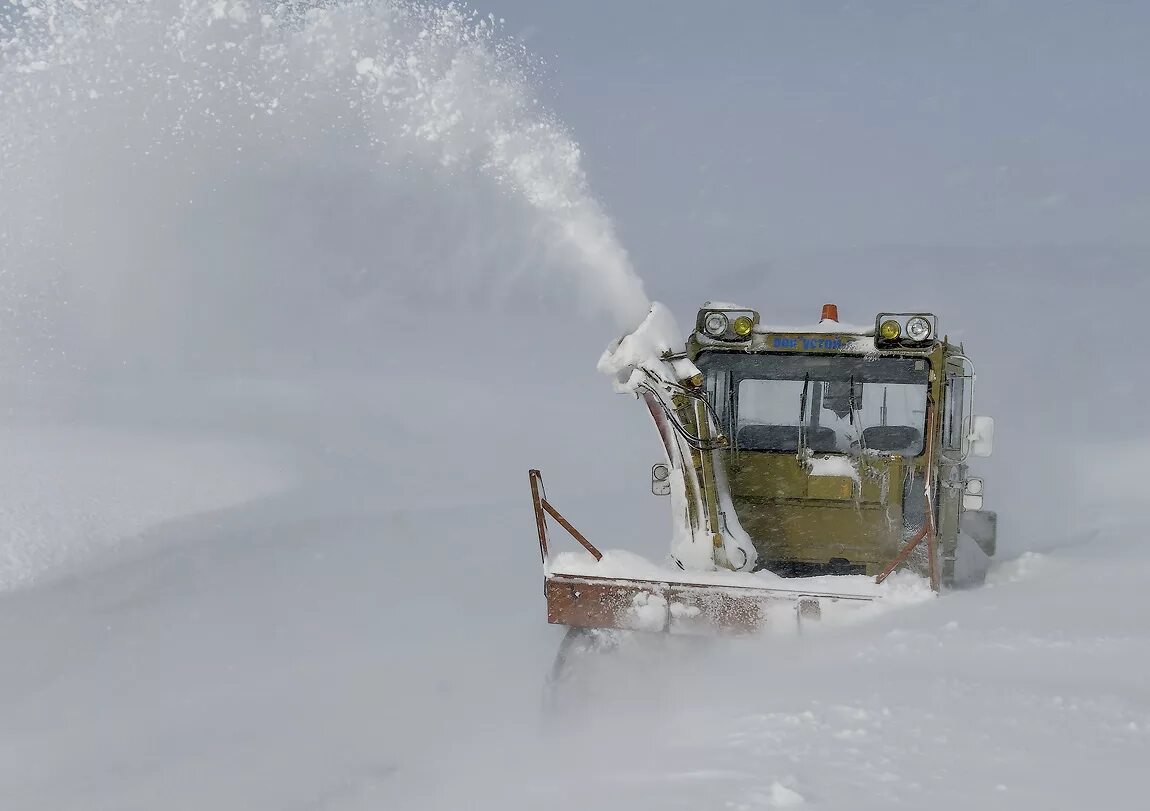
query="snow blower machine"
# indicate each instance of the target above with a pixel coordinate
(804, 467)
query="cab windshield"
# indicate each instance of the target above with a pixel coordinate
(831, 404)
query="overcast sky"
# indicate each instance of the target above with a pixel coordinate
(723, 134)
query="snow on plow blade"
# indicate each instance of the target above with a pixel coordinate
(584, 601)
(580, 600)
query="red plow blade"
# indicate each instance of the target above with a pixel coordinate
(584, 601)
(670, 605)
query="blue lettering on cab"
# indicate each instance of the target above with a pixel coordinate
(807, 344)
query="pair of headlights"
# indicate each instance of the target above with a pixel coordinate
(914, 329)
(904, 328)
(728, 326)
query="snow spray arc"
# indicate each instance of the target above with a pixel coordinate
(170, 153)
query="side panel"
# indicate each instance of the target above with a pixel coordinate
(949, 510)
(961, 561)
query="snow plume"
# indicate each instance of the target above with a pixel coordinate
(197, 182)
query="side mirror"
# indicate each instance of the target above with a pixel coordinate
(972, 494)
(661, 479)
(979, 439)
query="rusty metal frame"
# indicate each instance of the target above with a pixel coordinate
(928, 530)
(591, 601)
(586, 601)
(543, 508)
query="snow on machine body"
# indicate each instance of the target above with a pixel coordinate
(803, 466)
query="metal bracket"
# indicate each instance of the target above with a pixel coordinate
(543, 508)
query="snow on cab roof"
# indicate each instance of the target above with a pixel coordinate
(835, 327)
(724, 305)
(825, 327)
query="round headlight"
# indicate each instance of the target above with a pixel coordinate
(974, 487)
(918, 328)
(889, 330)
(715, 324)
(742, 326)
(660, 473)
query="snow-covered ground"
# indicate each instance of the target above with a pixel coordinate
(321, 639)
(71, 491)
(324, 638)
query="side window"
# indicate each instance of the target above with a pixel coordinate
(719, 395)
(952, 413)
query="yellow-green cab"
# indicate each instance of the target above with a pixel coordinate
(832, 449)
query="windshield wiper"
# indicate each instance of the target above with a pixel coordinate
(857, 423)
(803, 416)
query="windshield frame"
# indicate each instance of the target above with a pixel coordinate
(821, 368)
